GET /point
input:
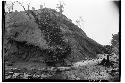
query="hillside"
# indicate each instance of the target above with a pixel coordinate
(52, 31)
(46, 38)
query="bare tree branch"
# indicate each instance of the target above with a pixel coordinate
(27, 12)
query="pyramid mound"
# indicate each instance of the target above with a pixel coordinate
(46, 35)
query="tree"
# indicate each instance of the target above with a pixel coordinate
(115, 40)
(60, 6)
(21, 4)
(12, 5)
(9, 6)
(115, 44)
(28, 6)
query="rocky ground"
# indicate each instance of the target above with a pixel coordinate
(89, 70)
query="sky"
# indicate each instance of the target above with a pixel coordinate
(100, 18)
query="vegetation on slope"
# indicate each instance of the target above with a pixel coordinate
(44, 31)
(49, 38)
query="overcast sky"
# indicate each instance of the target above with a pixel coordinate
(100, 17)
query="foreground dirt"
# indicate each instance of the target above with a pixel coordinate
(81, 71)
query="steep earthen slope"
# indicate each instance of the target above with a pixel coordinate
(47, 34)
